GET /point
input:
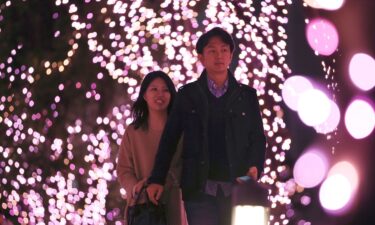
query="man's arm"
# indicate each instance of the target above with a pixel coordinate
(167, 148)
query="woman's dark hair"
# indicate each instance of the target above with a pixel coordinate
(214, 32)
(139, 109)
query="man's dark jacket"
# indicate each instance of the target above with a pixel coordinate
(245, 140)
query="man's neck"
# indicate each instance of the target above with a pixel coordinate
(218, 78)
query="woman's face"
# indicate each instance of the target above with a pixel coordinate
(157, 95)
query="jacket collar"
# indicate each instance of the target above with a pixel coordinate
(202, 80)
(234, 88)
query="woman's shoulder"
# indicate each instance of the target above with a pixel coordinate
(129, 131)
(132, 131)
(130, 128)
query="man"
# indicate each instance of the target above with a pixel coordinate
(223, 136)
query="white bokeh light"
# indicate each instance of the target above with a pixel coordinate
(293, 87)
(310, 169)
(330, 4)
(331, 123)
(359, 119)
(339, 189)
(313, 107)
(362, 71)
(348, 170)
(313, 4)
(335, 192)
(325, 4)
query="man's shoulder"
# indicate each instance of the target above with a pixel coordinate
(247, 88)
(188, 87)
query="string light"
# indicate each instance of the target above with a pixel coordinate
(127, 40)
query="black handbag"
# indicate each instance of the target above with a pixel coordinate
(146, 213)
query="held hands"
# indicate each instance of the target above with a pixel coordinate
(154, 192)
(137, 188)
(252, 173)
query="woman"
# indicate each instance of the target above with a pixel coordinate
(140, 142)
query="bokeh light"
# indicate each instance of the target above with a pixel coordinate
(332, 121)
(330, 4)
(359, 119)
(314, 107)
(335, 192)
(339, 189)
(310, 168)
(313, 3)
(362, 71)
(347, 169)
(293, 87)
(322, 36)
(325, 4)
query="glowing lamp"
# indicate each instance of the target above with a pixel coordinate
(250, 204)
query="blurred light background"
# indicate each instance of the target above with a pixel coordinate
(70, 69)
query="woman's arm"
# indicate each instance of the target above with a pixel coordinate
(125, 165)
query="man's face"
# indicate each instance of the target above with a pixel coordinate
(216, 56)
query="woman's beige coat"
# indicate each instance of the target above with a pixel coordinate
(135, 162)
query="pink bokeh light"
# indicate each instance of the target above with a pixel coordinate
(362, 71)
(322, 36)
(310, 168)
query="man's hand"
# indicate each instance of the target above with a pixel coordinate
(154, 192)
(253, 173)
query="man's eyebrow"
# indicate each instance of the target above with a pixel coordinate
(211, 45)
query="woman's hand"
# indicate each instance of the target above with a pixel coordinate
(137, 188)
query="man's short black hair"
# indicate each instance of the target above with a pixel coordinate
(214, 32)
